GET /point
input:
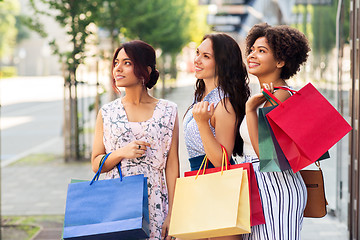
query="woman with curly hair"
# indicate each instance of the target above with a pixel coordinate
(274, 54)
(219, 102)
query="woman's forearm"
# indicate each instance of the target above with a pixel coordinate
(211, 146)
(253, 128)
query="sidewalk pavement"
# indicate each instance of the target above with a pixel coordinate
(40, 188)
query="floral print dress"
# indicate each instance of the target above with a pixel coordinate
(158, 131)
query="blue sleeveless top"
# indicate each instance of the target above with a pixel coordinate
(192, 136)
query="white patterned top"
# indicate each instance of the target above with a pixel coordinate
(158, 131)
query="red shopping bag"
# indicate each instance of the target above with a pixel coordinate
(306, 125)
(257, 215)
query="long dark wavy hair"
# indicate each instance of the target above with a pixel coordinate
(232, 79)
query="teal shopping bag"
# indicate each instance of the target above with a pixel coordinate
(107, 209)
(268, 157)
(279, 158)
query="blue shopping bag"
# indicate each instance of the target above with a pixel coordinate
(107, 209)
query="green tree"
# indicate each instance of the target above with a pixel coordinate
(162, 23)
(165, 25)
(323, 25)
(109, 17)
(8, 32)
(76, 16)
(23, 32)
(324, 31)
(198, 25)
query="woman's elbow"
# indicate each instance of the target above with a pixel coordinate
(95, 169)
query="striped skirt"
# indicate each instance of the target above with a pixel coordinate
(283, 195)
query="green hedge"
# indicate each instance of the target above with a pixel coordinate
(6, 72)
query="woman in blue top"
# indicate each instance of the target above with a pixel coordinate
(219, 102)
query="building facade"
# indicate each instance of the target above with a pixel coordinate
(354, 106)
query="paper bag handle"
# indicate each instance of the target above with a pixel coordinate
(274, 100)
(287, 89)
(97, 175)
(224, 162)
(269, 99)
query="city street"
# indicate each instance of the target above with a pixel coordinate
(31, 115)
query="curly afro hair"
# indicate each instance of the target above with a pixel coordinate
(288, 44)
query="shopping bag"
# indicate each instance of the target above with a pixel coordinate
(267, 153)
(306, 125)
(211, 205)
(107, 209)
(256, 210)
(270, 145)
(316, 200)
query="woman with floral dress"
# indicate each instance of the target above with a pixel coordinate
(141, 132)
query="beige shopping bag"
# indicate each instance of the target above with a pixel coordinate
(211, 205)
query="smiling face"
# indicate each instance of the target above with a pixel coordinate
(123, 71)
(261, 60)
(205, 61)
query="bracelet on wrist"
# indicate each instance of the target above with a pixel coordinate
(102, 159)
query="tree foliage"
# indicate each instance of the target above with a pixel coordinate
(23, 32)
(198, 25)
(110, 16)
(77, 18)
(165, 24)
(168, 25)
(165, 28)
(8, 32)
(324, 27)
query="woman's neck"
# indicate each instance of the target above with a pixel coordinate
(136, 95)
(275, 80)
(210, 84)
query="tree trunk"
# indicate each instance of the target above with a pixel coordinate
(173, 69)
(71, 125)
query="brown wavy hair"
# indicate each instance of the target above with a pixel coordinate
(287, 43)
(232, 79)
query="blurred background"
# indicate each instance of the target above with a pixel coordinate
(55, 61)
